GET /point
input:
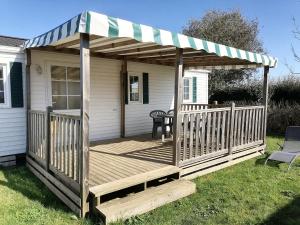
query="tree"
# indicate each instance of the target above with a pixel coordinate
(296, 33)
(228, 28)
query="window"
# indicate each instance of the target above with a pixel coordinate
(134, 89)
(187, 95)
(4, 98)
(65, 87)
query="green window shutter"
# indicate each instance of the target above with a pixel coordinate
(194, 89)
(145, 88)
(16, 85)
(126, 87)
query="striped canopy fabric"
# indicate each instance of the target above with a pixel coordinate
(109, 27)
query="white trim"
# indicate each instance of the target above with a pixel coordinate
(140, 88)
(190, 100)
(6, 87)
(48, 65)
(11, 49)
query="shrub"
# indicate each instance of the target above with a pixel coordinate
(282, 115)
(286, 90)
(245, 92)
(284, 100)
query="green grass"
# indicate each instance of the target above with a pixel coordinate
(247, 193)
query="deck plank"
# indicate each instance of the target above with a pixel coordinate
(120, 158)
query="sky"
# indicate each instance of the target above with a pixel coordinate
(33, 17)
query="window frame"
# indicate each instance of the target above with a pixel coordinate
(66, 81)
(190, 99)
(6, 87)
(140, 88)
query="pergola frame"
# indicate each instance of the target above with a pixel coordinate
(126, 49)
(178, 97)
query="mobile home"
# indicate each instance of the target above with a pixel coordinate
(91, 84)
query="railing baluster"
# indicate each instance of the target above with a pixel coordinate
(185, 133)
(203, 133)
(191, 144)
(197, 135)
(208, 132)
(213, 133)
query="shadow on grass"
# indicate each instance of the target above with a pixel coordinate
(261, 162)
(21, 180)
(288, 215)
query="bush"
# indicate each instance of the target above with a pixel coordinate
(284, 100)
(281, 115)
(286, 90)
(246, 92)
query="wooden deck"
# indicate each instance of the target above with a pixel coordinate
(122, 158)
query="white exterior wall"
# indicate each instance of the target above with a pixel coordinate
(161, 91)
(12, 120)
(202, 84)
(105, 93)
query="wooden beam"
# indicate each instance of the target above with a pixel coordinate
(265, 101)
(28, 96)
(141, 49)
(114, 45)
(84, 113)
(171, 54)
(122, 95)
(68, 44)
(177, 105)
(75, 42)
(100, 55)
(166, 53)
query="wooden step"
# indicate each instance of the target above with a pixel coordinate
(142, 202)
(117, 185)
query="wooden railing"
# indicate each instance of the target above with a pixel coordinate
(197, 107)
(248, 126)
(211, 133)
(190, 107)
(55, 144)
(65, 145)
(38, 135)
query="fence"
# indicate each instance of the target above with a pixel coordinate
(37, 137)
(64, 149)
(54, 148)
(211, 133)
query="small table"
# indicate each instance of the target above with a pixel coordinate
(164, 117)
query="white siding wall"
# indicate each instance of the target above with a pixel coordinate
(12, 120)
(202, 84)
(161, 91)
(105, 93)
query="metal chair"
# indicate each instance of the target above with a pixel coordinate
(157, 116)
(170, 122)
(290, 150)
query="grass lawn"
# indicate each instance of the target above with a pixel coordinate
(247, 193)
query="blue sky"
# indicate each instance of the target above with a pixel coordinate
(33, 17)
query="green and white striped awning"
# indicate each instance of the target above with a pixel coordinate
(113, 36)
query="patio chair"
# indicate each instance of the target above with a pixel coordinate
(170, 122)
(290, 149)
(156, 115)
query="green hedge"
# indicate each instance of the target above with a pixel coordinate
(284, 100)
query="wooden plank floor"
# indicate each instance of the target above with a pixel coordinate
(112, 160)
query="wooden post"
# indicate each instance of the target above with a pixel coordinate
(28, 97)
(122, 94)
(48, 137)
(265, 101)
(84, 113)
(231, 131)
(177, 105)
